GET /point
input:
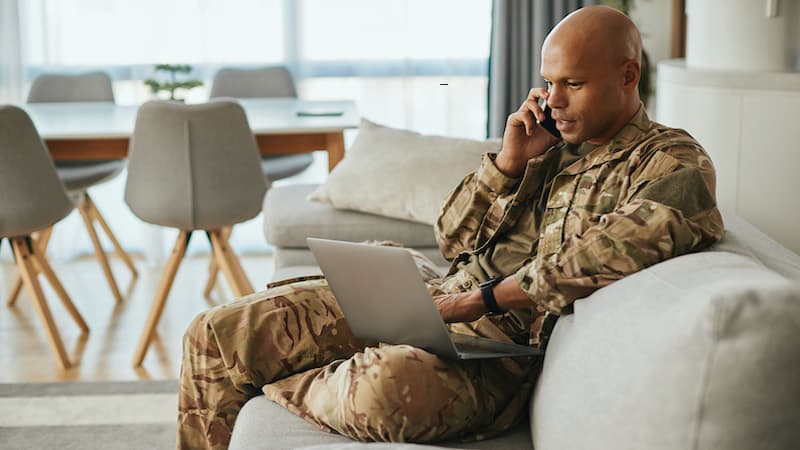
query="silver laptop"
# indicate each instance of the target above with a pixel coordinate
(384, 299)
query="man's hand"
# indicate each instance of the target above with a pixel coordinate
(524, 138)
(468, 306)
(461, 307)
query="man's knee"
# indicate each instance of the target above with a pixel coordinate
(306, 295)
(401, 393)
(197, 327)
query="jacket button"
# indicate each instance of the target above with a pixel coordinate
(467, 284)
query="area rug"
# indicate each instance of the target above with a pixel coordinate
(88, 415)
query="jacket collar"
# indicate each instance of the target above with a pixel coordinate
(633, 132)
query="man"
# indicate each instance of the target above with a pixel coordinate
(551, 220)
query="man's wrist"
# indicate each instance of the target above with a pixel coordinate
(476, 303)
(512, 168)
(487, 296)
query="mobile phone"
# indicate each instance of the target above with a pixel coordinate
(549, 123)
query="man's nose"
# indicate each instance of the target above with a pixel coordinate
(556, 99)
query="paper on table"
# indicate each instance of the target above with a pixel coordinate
(319, 113)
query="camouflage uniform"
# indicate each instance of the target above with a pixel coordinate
(578, 219)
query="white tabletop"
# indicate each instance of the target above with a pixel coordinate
(77, 120)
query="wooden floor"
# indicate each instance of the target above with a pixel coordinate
(106, 352)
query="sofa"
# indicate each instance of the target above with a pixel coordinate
(697, 352)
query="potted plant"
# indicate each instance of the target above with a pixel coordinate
(172, 83)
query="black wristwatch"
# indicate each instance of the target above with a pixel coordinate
(487, 294)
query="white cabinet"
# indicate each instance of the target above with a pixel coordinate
(749, 123)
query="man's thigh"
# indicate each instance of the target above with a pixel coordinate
(399, 393)
(280, 331)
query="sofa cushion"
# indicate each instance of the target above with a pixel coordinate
(696, 352)
(289, 218)
(400, 173)
(262, 424)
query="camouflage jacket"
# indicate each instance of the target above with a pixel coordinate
(580, 218)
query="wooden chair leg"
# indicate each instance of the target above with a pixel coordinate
(44, 267)
(85, 211)
(22, 252)
(42, 238)
(123, 255)
(13, 294)
(229, 263)
(237, 265)
(167, 277)
(213, 268)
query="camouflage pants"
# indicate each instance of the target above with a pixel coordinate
(292, 343)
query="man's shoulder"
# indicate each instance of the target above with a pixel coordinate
(673, 141)
(664, 149)
(660, 134)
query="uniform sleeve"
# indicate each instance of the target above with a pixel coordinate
(670, 210)
(479, 203)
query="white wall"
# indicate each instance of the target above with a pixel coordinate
(654, 20)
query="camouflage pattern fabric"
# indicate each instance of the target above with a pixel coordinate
(645, 196)
(291, 343)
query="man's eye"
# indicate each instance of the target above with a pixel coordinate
(574, 85)
(548, 84)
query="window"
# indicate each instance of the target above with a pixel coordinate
(418, 64)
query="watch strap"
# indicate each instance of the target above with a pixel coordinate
(487, 294)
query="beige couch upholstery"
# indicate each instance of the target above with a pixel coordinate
(698, 352)
(289, 219)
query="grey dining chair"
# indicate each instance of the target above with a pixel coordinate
(32, 199)
(78, 175)
(194, 168)
(265, 82)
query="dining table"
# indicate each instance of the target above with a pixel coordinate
(102, 130)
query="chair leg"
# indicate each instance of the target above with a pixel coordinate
(42, 238)
(23, 252)
(229, 263)
(123, 255)
(213, 268)
(85, 211)
(15, 290)
(44, 267)
(167, 277)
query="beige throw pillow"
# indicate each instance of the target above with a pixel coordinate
(399, 173)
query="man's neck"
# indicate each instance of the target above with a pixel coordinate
(623, 119)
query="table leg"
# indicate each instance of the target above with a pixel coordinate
(335, 147)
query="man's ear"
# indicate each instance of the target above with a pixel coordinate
(631, 74)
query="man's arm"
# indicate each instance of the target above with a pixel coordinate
(478, 204)
(671, 211)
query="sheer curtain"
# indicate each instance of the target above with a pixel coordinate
(10, 64)
(10, 52)
(413, 64)
(416, 64)
(518, 32)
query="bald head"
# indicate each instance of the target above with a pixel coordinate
(591, 62)
(597, 34)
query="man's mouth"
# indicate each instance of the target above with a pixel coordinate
(564, 125)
